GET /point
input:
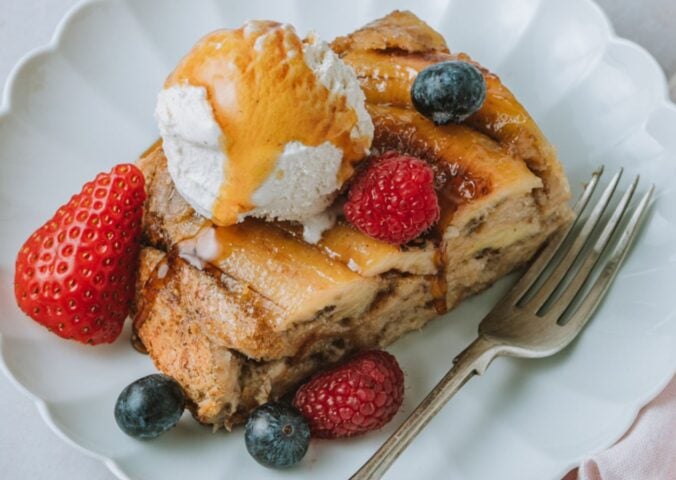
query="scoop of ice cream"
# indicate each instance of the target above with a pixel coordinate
(257, 122)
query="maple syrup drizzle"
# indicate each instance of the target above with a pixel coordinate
(264, 96)
(439, 282)
(151, 149)
(456, 186)
(454, 183)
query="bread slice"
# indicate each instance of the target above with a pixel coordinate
(241, 315)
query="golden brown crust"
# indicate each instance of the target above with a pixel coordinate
(397, 31)
(230, 332)
(387, 73)
(185, 320)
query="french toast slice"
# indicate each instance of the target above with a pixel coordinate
(241, 315)
(187, 318)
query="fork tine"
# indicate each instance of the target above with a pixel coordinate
(542, 260)
(588, 192)
(592, 257)
(554, 279)
(612, 266)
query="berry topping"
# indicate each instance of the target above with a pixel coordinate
(277, 435)
(150, 406)
(449, 91)
(393, 200)
(75, 274)
(354, 398)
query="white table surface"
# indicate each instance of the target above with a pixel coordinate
(28, 449)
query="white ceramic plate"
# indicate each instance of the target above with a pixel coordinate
(85, 103)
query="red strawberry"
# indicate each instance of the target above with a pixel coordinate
(393, 200)
(354, 398)
(75, 274)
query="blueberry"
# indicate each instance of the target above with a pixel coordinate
(449, 91)
(149, 406)
(277, 435)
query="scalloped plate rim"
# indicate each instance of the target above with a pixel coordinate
(115, 468)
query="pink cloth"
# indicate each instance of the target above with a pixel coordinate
(646, 452)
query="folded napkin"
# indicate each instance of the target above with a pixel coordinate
(646, 452)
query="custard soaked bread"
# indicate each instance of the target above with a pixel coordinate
(242, 314)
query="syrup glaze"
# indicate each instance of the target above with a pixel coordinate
(264, 96)
(408, 132)
(387, 85)
(446, 149)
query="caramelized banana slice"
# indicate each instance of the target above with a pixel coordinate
(387, 56)
(370, 257)
(299, 278)
(476, 171)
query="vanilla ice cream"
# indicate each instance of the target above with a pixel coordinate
(257, 122)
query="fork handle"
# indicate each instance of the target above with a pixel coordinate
(474, 360)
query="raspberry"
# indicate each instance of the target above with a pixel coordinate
(354, 398)
(393, 200)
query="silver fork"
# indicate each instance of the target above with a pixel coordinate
(528, 321)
